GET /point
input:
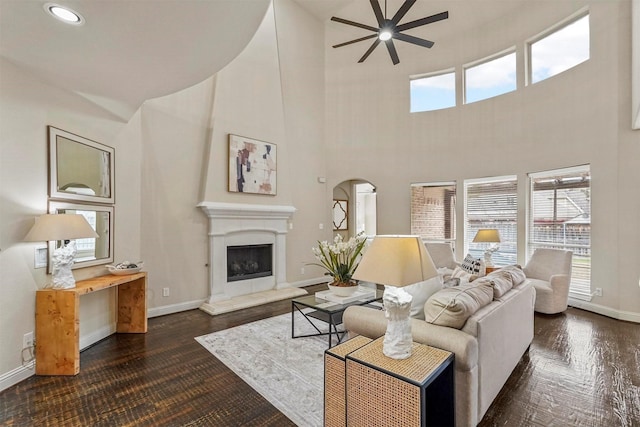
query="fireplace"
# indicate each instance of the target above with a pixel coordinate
(249, 262)
(255, 227)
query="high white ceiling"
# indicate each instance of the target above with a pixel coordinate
(128, 51)
(131, 51)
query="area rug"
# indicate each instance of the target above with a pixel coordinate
(288, 372)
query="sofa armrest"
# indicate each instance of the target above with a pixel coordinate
(373, 324)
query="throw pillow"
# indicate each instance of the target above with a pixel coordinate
(453, 306)
(463, 275)
(472, 265)
(421, 292)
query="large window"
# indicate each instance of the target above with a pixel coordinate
(560, 218)
(492, 203)
(433, 211)
(490, 78)
(433, 92)
(559, 50)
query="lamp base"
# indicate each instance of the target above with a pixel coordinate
(62, 260)
(398, 341)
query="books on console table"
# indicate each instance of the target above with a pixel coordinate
(359, 294)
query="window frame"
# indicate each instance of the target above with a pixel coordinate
(504, 236)
(439, 73)
(577, 289)
(485, 60)
(452, 210)
(528, 57)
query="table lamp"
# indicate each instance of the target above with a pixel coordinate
(64, 227)
(488, 235)
(396, 261)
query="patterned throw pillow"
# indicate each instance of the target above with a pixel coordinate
(472, 265)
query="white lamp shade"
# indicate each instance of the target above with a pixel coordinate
(487, 235)
(396, 261)
(51, 227)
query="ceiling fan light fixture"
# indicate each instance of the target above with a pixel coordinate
(385, 34)
(64, 14)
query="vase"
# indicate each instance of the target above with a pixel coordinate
(343, 290)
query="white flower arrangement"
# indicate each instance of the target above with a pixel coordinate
(340, 258)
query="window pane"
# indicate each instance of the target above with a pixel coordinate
(491, 78)
(493, 204)
(433, 93)
(561, 219)
(433, 211)
(560, 50)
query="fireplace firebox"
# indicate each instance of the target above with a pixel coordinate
(249, 262)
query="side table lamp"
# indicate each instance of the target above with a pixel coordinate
(488, 235)
(396, 261)
(64, 227)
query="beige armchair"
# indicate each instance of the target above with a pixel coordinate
(550, 272)
(442, 255)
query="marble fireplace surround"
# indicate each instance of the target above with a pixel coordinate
(234, 224)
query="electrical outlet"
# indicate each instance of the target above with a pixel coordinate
(321, 226)
(27, 340)
(598, 292)
(302, 270)
(165, 292)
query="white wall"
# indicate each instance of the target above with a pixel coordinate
(27, 107)
(578, 117)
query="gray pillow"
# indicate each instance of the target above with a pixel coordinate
(453, 306)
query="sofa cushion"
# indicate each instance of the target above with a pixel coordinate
(516, 272)
(452, 306)
(421, 292)
(501, 280)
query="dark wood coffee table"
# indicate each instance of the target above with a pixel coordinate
(328, 312)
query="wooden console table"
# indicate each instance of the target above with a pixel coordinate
(58, 319)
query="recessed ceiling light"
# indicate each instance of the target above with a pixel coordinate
(64, 14)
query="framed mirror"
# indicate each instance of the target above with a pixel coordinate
(93, 251)
(340, 214)
(80, 169)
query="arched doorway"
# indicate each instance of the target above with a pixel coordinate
(355, 208)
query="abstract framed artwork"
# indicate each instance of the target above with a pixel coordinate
(252, 166)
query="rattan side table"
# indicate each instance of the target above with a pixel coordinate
(417, 391)
(334, 380)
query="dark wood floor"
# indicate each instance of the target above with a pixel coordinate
(582, 369)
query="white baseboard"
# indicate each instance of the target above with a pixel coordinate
(174, 308)
(95, 336)
(627, 316)
(14, 376)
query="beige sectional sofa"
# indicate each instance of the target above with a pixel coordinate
(487, 347)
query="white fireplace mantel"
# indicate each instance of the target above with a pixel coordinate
(245, 224)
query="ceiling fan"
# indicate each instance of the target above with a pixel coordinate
(389, 29)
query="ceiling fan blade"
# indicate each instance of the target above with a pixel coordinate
(377, 11)
(415, 40)
(355, 24)
(392, 51)
(356, 40)
(402, 11)
(368, 52)
(424, 21)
